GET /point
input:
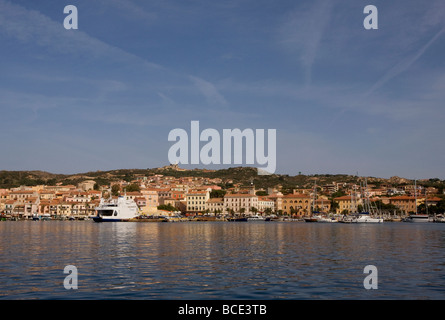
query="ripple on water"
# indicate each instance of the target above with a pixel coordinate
(221, 260)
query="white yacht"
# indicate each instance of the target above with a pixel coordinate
(362, 217)
(256, 218)
(327, 219)
(116, 210)
(366, 218)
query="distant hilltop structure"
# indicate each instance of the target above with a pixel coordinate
(173, 166)
(398, 180)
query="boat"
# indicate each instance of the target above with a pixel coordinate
(144, 218)
(45, 217)
(327, 220)
(311, 219)
(256, 218)
(364, 217)
(417, 218)
(240, 219)
(204, 218)
(346, 219)
(116, 210)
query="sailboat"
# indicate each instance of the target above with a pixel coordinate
(417, 217)
(313, 218)
(365, 216)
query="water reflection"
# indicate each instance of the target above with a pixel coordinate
(211, 260)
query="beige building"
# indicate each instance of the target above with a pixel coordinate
(347, 204)
(297, 204)
(196, 201)
(277, 198)
(215, 205)
(406, 204)
(21, 196)
(239, 202)
(152, 199)
(86, 185)
(322, 205)
(266, 203)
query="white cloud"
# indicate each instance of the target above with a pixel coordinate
(209, 91)
(303, 32)
(30, 26)
(404, 64)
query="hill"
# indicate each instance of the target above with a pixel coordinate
(242, 175)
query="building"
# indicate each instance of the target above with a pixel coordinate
(86, 185)
(297, 204)
(407, 204)
(330, 188)
(133, 195)
(21, 196)
(266, 204)
(277, 198)
(196, 201)
(347, 204)
(151, 197)
(215, 205)
(322, 205)
(240, 203)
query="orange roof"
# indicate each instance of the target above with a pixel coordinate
(433, 199)
(402, 198)
(22, 192)
(215, 200)
(343, 198)
(297, 195)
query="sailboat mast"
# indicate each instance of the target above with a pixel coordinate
(415, 193)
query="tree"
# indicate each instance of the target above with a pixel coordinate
(167, 207)
(115, 189)
(337, 194)
(133, 188)
(334, 206)
(217, 193)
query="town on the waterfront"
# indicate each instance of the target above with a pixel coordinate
(165, 196)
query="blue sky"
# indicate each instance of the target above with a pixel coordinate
(342, 99)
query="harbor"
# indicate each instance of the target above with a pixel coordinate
(358, 218)
(221, 260)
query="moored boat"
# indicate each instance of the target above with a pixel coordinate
(256, 218)
(116, 210)
(417, 218)
(237, 219)
(311, 219)
(364, 217)
(327, 220)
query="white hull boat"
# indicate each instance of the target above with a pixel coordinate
(116, 210)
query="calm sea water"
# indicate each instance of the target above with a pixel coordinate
(221, 260)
